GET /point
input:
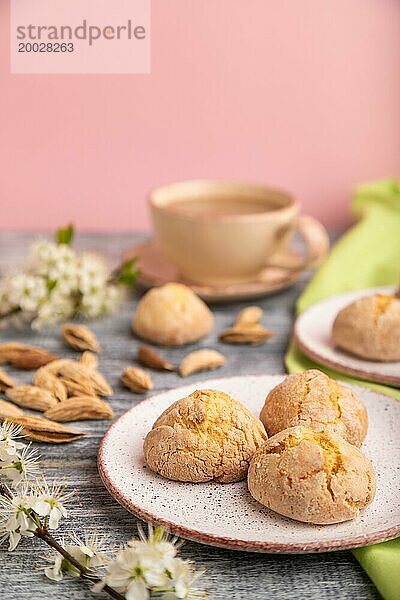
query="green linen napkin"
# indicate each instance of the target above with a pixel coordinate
(368, 255)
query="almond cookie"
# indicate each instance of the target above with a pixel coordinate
(203, 437)
(172, 315)
(315, 400)
(311, 477)
(370, 328)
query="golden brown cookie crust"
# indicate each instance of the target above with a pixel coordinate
(309, 476)
(313, 399)
(370, 328)
(203, 437)
(172, 315)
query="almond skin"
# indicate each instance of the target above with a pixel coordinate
(40, 429)
(9, 410)
(251, 315)
(149, 358)
(23, 356)
(31, 396)
(80, 337)
(5, 381)
(81, 381)
(136, 380)
(248, 334)
(201, 360)
(54, 367)
(80, 408)
(47, 381)
(88, 360)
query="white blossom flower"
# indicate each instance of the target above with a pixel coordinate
(5, 305)
(66, 255)
(57, 308)
(157, 545)
(65, 270)
(92, 274)
(182, 576)
(20, 465)
(101, 302)
(90, 552)
(43, 257)
(60, 566)
(113, 296)
(66, 279)
(15, 517)
(149, 565)
(26, 291)
(48, 502)
(91, 304)
(133, 573)
(51, 260)
(9, 446)
(20, 512)
(58, 284)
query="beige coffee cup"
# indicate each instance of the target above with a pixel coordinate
(229, 248)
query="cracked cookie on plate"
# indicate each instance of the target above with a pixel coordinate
(313, 399)
(370, 328)
(204, 437)
(310, 476)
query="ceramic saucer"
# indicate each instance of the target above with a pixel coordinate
(312, 334)
(156, 269)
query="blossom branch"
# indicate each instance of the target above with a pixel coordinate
(43, 534)
(57, 283)
(11, 312)
(143, 567)
(4, 491)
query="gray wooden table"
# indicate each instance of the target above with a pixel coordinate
(229, 574)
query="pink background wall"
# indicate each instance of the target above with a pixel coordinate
(300, 94)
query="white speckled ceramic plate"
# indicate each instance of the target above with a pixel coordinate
(225, 514)
(312, 333)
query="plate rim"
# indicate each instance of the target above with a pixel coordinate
(338, 366)
(227, 542)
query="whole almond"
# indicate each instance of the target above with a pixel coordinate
(31, 396)
(54, 367)
(39, 429)
(251, 315)
(9, 410)
(9, 350)
(136, 380)
(100, 384)
(48, 381)
(75, 388)
(80, 337)
(5, 381)
(88, 360)
(250, 334)
(80, 408)
(149, 358)
(23, 356)
(82, 381)
(201, 360)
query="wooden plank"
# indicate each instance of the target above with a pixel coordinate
(229, 574)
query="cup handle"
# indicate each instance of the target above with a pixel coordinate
(316, 240)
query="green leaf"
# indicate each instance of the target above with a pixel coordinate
(51, 284)
(65, 235)
(127, 272)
